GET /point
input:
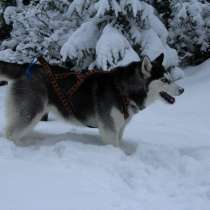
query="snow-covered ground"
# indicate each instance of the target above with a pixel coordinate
(66, 168)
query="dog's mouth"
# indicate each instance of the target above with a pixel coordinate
(168, 98)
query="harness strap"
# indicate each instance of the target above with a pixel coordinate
(57, 89)
(80, 79)
(60, 76)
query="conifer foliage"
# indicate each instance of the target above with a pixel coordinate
(102, 33)
(115, 33)
(105, 33)
(39, 27)
(189, 30)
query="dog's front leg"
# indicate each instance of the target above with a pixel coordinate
(112, 133)
(109, 136)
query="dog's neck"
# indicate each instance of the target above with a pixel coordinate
(131, 85)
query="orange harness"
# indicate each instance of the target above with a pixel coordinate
(81, 77)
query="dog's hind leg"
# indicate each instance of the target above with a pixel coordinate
(22, 116)
(20, 126)
(111, 127)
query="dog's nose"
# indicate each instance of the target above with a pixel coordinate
(181, 90)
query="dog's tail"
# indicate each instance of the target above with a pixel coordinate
(11, 71)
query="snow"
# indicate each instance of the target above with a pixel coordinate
(77, 43)
(76, 6)
(114, 41)
(7, 55)
(19, 3)
(64, 167)
(176, 73)
(115, 51)
(102, 7)
(159, 28)
(135, 5)
(189, 29)
(153, 47)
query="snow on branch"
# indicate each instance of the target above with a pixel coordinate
(19, 3)
(106, 6)
(103, 33)
(158, 27)
(123, 6)
(152, 47)
(189, 31)
(78, 6)
(134, 5)
(84, 38)
(102, 7)
(113, 48)
(9, 14)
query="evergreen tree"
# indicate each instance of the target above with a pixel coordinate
(164, 10)
(116, 32)
(189, 30)
(102, 33)
(39, 27)
(4, 28)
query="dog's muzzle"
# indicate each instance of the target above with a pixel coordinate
(170, 99)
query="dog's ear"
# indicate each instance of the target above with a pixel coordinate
(159, 59)
(146, 67)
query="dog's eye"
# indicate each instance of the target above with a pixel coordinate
(165, 80)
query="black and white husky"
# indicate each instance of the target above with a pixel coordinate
(96, 103)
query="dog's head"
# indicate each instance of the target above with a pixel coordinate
(160, 83)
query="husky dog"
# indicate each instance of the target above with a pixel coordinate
(96, 102)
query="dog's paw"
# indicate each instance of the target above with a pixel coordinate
(129, 147)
